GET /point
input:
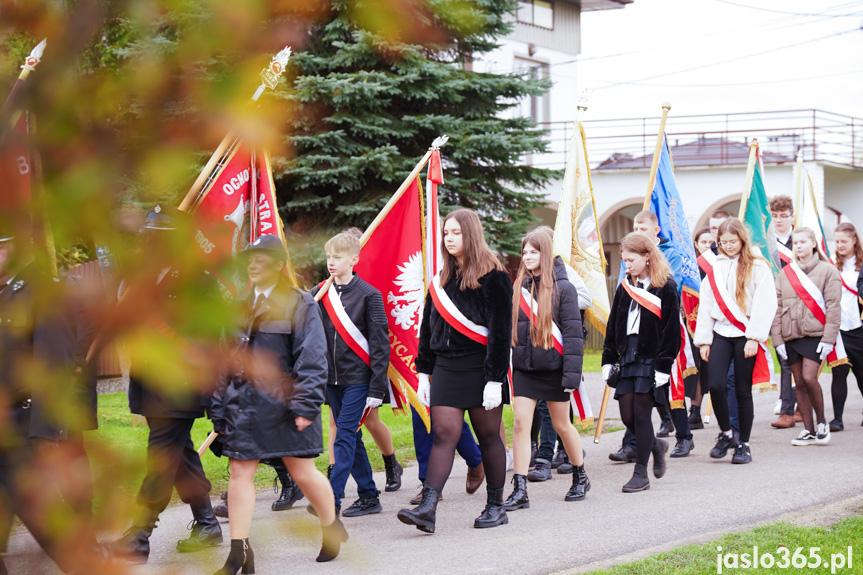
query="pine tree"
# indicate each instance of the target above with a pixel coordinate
(366, 108)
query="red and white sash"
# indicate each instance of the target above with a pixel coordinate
(706, 261)
(453, 316)
(785, 254)
(762, 373)
(345, 326)
(644, 298)
(579, 399)
(807, 291)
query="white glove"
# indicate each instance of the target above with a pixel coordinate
(373, 402)
(824, 350)
(606, 371)
(780, 351)
(662, 379)
(492, 395)
(424, 389)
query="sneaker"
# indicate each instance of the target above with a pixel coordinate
(822, 434)
(741, 454)
(805, 438)
(363, 506)
(837, 425)
(777, 409)
(558, 458)
(723, 444)
(542, 471)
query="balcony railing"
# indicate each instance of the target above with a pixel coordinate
(712, 140)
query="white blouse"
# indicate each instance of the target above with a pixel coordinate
(850, 310)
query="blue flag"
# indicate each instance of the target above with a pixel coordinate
(665, 203)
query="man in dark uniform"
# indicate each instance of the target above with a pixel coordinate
(170, 401)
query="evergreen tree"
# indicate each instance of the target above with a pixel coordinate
(366, 108)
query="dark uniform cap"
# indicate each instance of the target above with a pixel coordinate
(270, 244)
(163, 217)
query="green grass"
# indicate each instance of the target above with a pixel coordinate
(701, 559)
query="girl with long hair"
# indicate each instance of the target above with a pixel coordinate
(703, 239)
(849, 259)
(806, 327)
(463, 359)
(736, 310)
(547, 353)
(641, 341)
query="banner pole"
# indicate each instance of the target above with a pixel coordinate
(750, 174)
(657, 151)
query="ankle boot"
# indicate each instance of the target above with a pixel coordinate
(518, 499)
(333, 535)
(494, 513)
(666, 426)
(290, 492)
(134, 545)
(206, 531)
(394, 473)
(240, 558)
(580, 484)
(423, 516)
(659, 448)
(695, 421)
(639, 480)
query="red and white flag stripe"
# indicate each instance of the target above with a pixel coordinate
(644, 298)
(806, 289)
(785, 254)
(453, 316)
(346, 328)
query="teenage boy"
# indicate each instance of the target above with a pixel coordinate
(782, 212)
(359, 353)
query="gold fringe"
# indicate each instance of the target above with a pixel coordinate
(584, 423)
(411, 396)
(765, 387)
(843, 361)
(690, 371)
(678, 404)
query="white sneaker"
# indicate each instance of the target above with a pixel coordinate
(805, 438)
(509, 465)
(822, 433)
(777, 409)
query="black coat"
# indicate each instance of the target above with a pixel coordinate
(186, 400)
(85, 376)
(365, 306)
(257, 415)
(656, 339)
(35, 329)
(491, 306)
(566, 315)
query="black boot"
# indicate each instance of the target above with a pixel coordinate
(241, 558)
(666, 427)
(518, 499)
(580, 484)
(639, 480)
(423, 516)
(206, 531)
(494, 513)
(290, 492)
(394, 473)
(221, 510)
(333, 535)
(695, 421)
(134, 546)
(659, 449)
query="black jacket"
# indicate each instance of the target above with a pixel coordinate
(491, 306)
(656, 339)
(35, 332)
(257, 412)
(365, 306)
(186, 400)
(566, 315)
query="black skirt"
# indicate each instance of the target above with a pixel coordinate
(539, 385)
(803, 347)
(460, 381)
(636, 373)
(853, 342)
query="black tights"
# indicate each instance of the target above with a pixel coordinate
(809, 394)
(722, 352)
(448, 422)
(635, 411)
(839, 388)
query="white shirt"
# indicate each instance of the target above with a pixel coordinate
(633, 321)
(850, 311)
(266, 293)
(784, 239)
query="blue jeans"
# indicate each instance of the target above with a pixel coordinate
(346, 404)
(467, 447)
(547, 434)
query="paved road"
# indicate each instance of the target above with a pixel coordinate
(698, 497)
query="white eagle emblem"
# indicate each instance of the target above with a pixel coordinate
(408, 305)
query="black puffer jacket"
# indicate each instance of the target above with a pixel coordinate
(566, 316)
(257, 415)
(491, 306)
(657, 339)
(365, 306)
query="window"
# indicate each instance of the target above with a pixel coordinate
(537, 12)
(536, 107)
